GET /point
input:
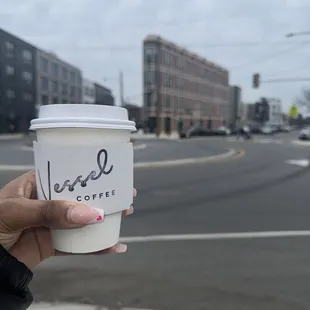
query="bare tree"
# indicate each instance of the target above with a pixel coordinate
(304, 100)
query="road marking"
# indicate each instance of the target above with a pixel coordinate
(299, 162)
(26, 148)
(301, 143)
(155, 164)
(66, 306)
(218, 236)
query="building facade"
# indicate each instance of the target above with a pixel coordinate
(181, 88)
(103, 95)
(57, 81)
(275, 112)
(234, 105)
(88, 92)
(17, 83)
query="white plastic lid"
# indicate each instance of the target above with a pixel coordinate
(82, 116)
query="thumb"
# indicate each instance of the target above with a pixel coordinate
(21, 213)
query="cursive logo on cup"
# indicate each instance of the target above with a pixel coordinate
(102, 165)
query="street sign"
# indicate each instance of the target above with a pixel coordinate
(293, 112)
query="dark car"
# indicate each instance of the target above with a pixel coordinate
(195, 131)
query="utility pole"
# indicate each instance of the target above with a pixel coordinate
(121, 88)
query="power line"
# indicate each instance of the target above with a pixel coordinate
(268, 57)
(283, 80)
(186, 45)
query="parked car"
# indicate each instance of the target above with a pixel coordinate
(267, 130)
(223, 131)
(195, 131)
(286, 129)
(304, 134)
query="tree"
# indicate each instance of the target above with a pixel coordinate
(304, 100)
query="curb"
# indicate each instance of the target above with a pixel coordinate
(9, 137)
(154, 164)
(301, 143)
(69, 306)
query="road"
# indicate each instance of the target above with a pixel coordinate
(259, 192)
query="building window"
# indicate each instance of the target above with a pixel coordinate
(54, 87)
(44, 100)
(10, 70)
(64, 89)
(64, 74)
(10, 51)
(72, 91)
(150, 55)
(27, 76)
(44, 65)
(64, 101)
(55, 100)
(44, 83)
(72, 77)
(27, 56)
(150, 77)
(55, 70)
(28, 97)
(10, 93)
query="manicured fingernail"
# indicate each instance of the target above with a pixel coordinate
(134, 192)
(85, 215)
(130, 210)
(99, 218)
(121, 248)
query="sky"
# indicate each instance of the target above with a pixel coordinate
(103, 37)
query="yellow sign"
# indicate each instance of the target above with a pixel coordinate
(293, 111)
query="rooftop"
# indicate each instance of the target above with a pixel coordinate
(157, 38)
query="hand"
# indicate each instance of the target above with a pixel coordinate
(25, 221)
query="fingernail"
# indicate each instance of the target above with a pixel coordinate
(134, 192)
(85, 215)
(130, 210)
(121, 248)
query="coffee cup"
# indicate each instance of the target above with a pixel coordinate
(83, 153)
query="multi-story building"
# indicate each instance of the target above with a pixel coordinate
(17, 83)
(88, 92)
(234, 105)
(57, 81)
(103, 95)
(181, 88)
(275, 112)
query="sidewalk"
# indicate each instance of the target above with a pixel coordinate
(12, 136)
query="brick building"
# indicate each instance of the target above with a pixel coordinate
(181, 89)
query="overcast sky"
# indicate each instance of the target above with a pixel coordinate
(104, 36)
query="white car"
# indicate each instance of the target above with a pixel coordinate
(304, 134)
(266, 130)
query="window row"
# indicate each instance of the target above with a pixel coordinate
(88, 91)
(174, 82)
(58, 72)
(11, 95)
(183, 64)
(10, 70)
(45, 100)
(11, 51)
(56, 87)
(181, 104)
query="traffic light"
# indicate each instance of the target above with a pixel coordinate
(256, 80)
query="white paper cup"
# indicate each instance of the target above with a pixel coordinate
(68, 139)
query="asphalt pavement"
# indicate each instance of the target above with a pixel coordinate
(203, 236)
(19, 152)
